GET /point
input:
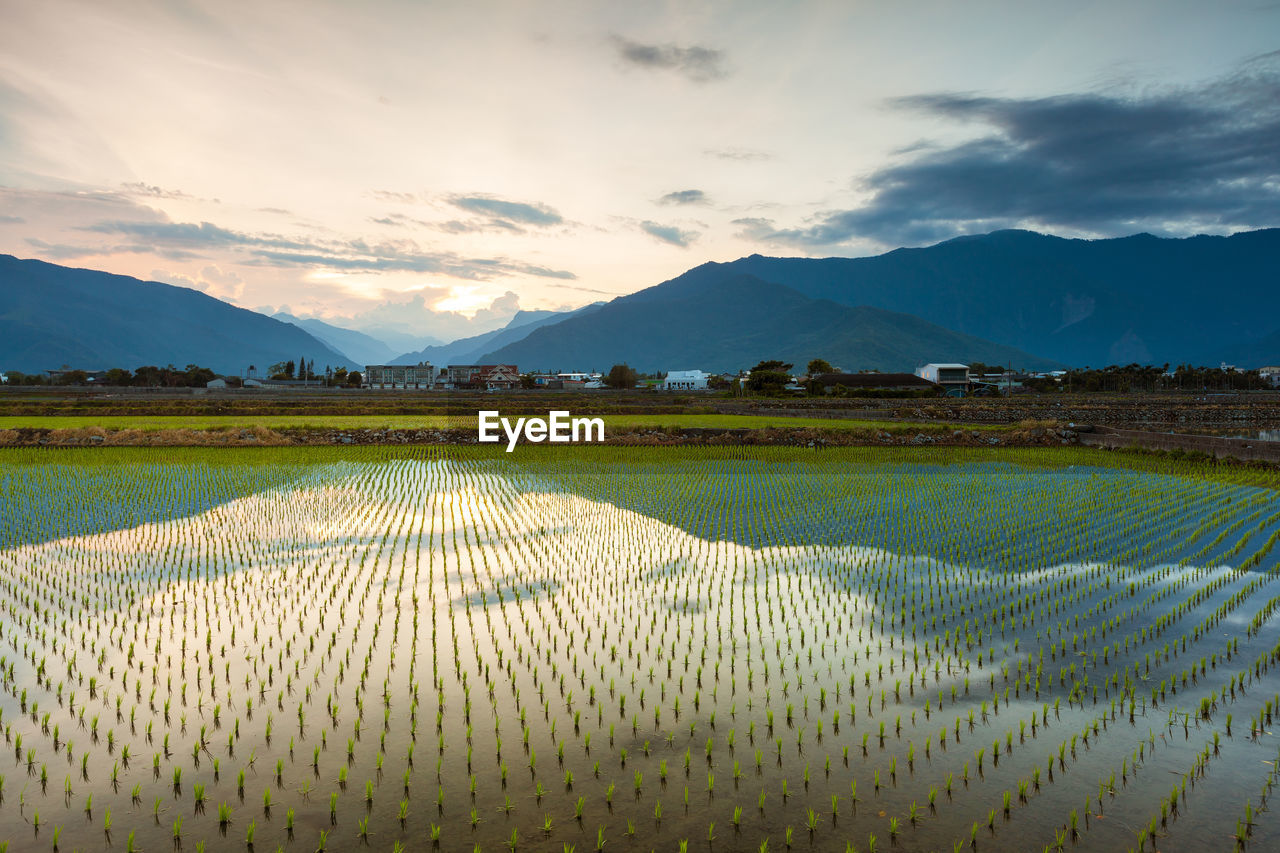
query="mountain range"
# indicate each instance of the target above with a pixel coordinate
(1017, 298)
(357, 346)
(52, 315)
(1142, 299)
(725, 324)
(474, 349)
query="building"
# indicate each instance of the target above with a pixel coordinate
(216, 384)
(954, 378)
(420, 376)
(685, 380)
(57, 376)
(490, 377)
(866, 381)
(1270, 374)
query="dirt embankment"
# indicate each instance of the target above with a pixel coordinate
(99, 437)
(1180, 412)
(1029, 435)
(1243, 449)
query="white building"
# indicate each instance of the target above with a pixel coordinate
(216, 384)
(954, 378)
(407, 376)
(685, 380)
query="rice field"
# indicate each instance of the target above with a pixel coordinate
(606, 648)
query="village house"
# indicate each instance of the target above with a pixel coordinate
(685, 380)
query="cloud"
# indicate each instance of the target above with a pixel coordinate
(586, 289)
(66, 251)
(685, 197)
(669, 234)
(62, 205)
(392, 196)
(755, 228)
(63, 251)
(212, 280)
(139, 188)
(742, 154)
(193, 234)
(1171, 160)
(698, 63)
(177, 279)
(6, 219)
(507, 212)
(416, 313)
(218, 275)
(398, 220)
(266, 249)
(503, 306)
(476, 226)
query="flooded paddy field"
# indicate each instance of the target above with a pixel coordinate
(636, 649)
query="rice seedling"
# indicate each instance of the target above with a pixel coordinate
(633, 611)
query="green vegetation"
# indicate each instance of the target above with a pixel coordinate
(612, 647)
(277, 422)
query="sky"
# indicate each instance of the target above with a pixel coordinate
(432, 168)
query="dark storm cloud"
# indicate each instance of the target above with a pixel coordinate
(669, 234)
(695, 62)
(684, 197)
(1171, 160)
(507, 212)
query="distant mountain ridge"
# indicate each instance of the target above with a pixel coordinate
(52, 315)
(1142, 298)
(719, 324)
(1017, 298)
(1045, 300)
(472, 350)
(356, 346)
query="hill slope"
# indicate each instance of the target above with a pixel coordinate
(717, 323)
(356, 346)
(52, 315)
(473, 349)
(1084, 302)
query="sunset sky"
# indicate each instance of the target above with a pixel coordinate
(435, 166)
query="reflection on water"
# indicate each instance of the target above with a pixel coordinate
(480, 648)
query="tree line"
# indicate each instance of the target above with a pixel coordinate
(191, 376)
(147, 376)
(1129, 378)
